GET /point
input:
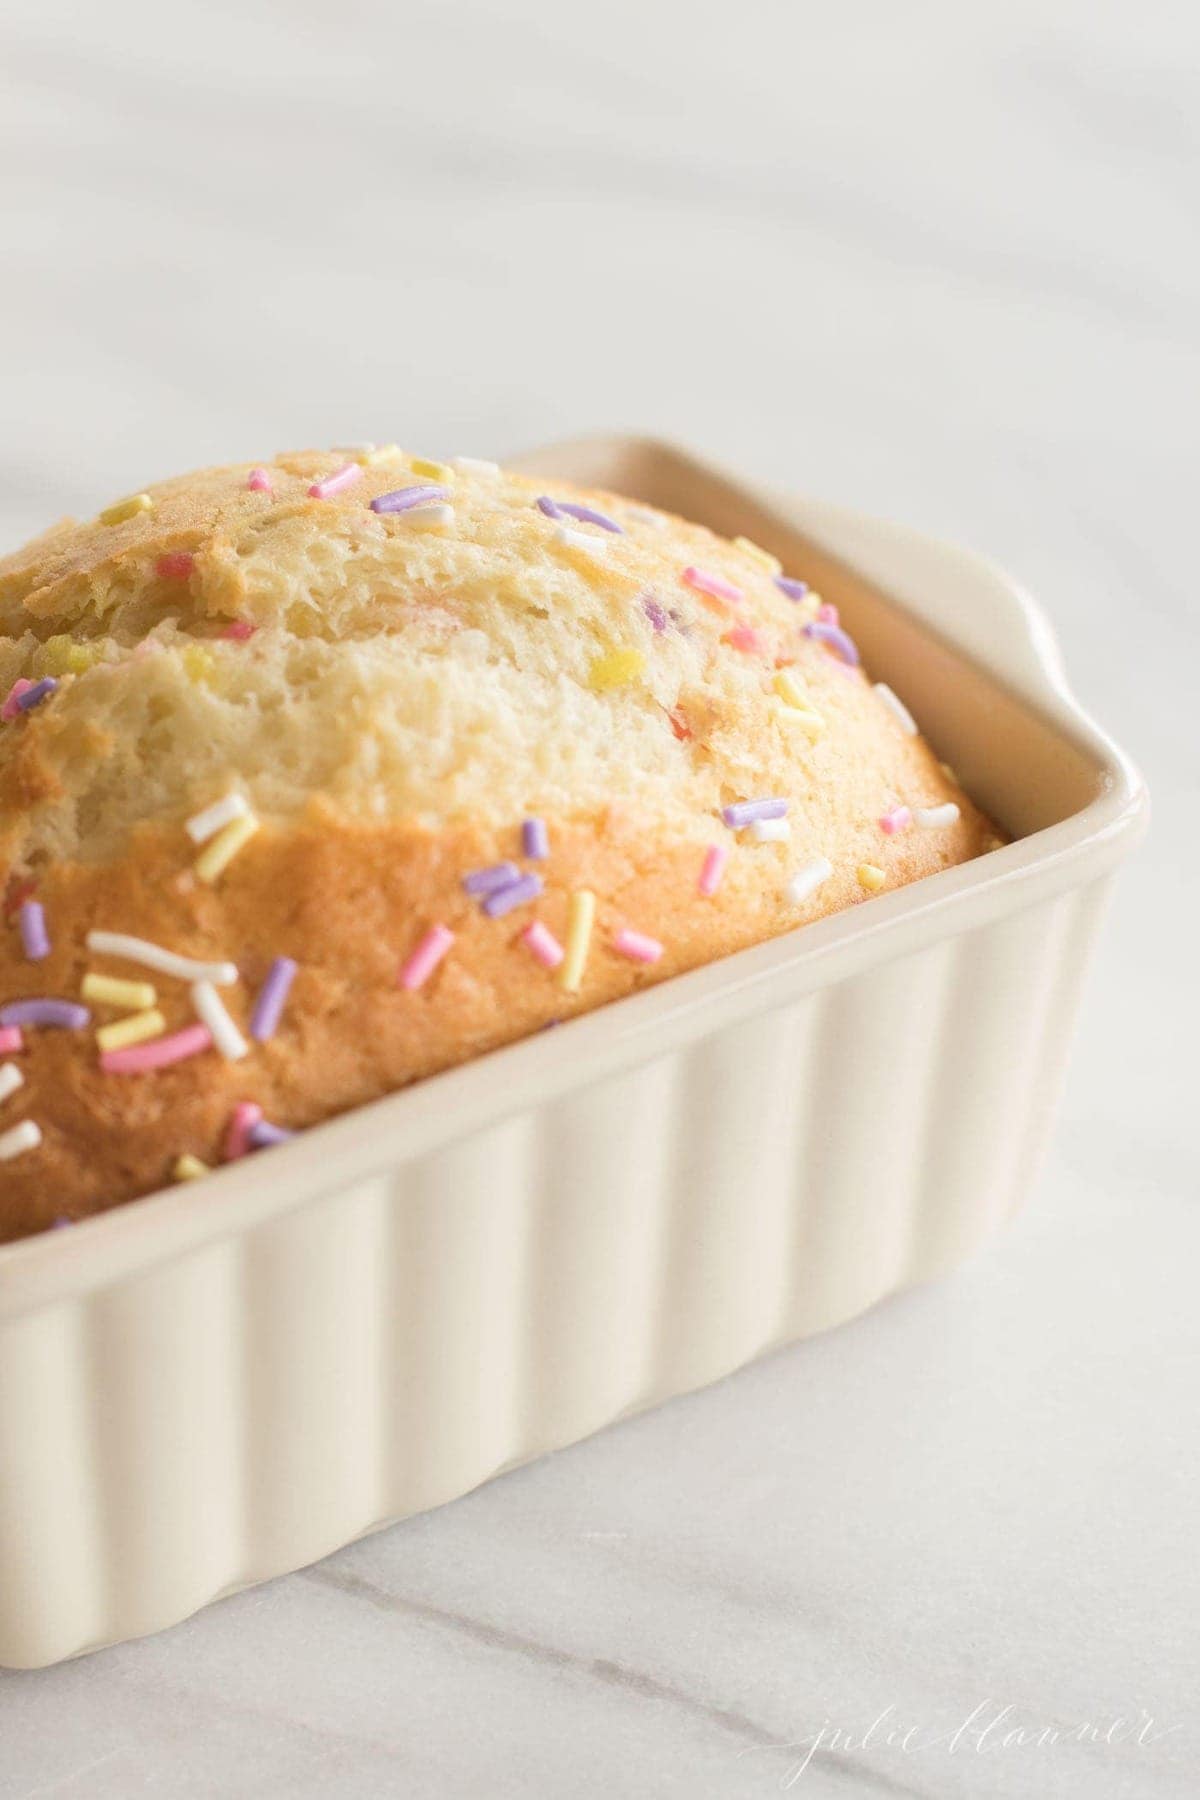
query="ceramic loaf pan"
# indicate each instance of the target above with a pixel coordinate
(205, 1388)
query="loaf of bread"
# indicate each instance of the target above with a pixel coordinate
(382, 764)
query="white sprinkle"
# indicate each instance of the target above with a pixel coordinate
(807, 880)
(897, 708)
(11, 1079)
(210, 1010)
(25, 1136)
(475, 465)
(595, 545)
(153, 956)
(768, 831)
(929, 818)
(437, 512)
(645, 515)
(203, 825)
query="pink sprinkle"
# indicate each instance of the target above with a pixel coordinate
(827, 613)
(712, 869)
(543, 945)
(744, 637)
(337, 483)
(896, 818)
(260, 482)
(715, 586)
(637, 946)
(176, 566)
(10, 709)
(426, 957)
(240, 630)
(158, 1053)
(242, 1120)
(10, 1039)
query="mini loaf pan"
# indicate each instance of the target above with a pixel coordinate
(210, 1386)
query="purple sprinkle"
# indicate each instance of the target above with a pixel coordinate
(550, 507)
(265, 1136)
(404, 499)
(654, 613)
(835, 637)
(33, 930)
(272, 996)
(66, 1014)
(535, 839)
(744, 812)
(795, 590)
(515, 894)
(41, 690)
(486, 881)
(61, 1222)
(558, 509)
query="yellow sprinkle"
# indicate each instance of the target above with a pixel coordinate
(808, 608)
(126, 509)
(615, 669)
(198, 664)
(220, 851)
(754, 551)
(107, 990)
(189, 1168)
(133, 1030)
(436, 471)
(381, 453)
(581, 912)
(61, 655)
(870, 877)
(794, 694)
(948, 772)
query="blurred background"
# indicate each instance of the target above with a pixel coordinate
(937, 261)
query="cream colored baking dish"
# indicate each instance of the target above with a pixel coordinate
(205, 1388)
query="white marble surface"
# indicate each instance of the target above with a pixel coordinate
(940, 261)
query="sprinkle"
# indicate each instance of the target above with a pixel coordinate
(221, 850)
(543, 945)
(744, 637)
(827, 613)
(11, 706)
(571, 509)
(897, 708)
(756, 554)
(422, 518)
(239, 630)
(896, 818)
(11, 1079)
(870, 877)
(744, 812)
(475, 465)
(948, 772)
(272, 998)
(407, 498)
(242, 1120)
(152, 956)
(203, 825)
(265, 1136)
(679, 725)
(108, 990)
(66, 1015)
(654, 612)
(159, 1053)
(615, 669)
(837, 640)
(197, 663)
(426, 957)
(436, 471)
(645, 515)
(581, 540)
(25, 1136)
(535, 840)
(807, 880)
(715, 587)
(259, 482)
(371, 455)
(126, 509)
(189, 1168)
(712, 869)
(795, 590)
(796, 698)
(34, 937)
(929, 818)
(337, 483)
(175, 566)
(36, 693)
(768, 831)
(517, 893)
(211, 1011)
(637, 946)
(10, 1040)
(485, 881)
(133, 1030)
(581, 911)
